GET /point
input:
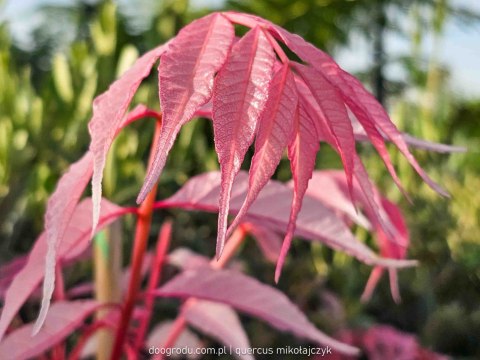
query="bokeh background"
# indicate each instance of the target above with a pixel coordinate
(419, 57)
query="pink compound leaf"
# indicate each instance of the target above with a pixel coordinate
(108, 116)
(30, 276)
(302, 153)
(186, 74)
(273, 136)
(252, 297)
(60, 208)
(63, 318)
(63, 201)
(240, 92)
(335, 115)
(366, 108)
(316, 222)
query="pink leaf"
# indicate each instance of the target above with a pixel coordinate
(186, 75)
(31, 275)
(186, 259)
(333, 111)
(331, 188)
(252, 297)
(8, 271)
(220, 322)
(240, 93)
(60, 209)
(302, 153)
(268, 240)
(327, 186)
(273, 135)
(108, 112)
(315, 221)
(62, 319)
(366, 108)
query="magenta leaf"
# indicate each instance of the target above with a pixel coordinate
(219, 321)
(273, 135)
(76, 241)
(240, 92)
(108, 113)
(62, 319)
(186, 75)
(250, 296)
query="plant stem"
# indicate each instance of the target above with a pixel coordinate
(108, 263)
(163, 244)
(229, 251)
(142, 230)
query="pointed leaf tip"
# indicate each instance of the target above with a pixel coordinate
(186, 75)
(108, 111)
(240, 93)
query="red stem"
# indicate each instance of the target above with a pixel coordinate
(142, 230)
(87, 334)
(229, 251)
(163, 244)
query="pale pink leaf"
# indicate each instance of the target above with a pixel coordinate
(315, 222)
(186, 74)
(240, 93)
(252, 297)
(108, 113)
(326, 185)
(75, 242)
(268, 240)
(219, 321)
(184, 259)
(331, 188)
(8, 271)
(60, 208)
(62, 319)
(274, 132)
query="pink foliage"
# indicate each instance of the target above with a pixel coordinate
(77, 240)
(316, 222)
(62, 319)
(205, 62)
(250, 296)
(385, 342)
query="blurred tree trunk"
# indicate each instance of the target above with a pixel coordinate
(378, 76)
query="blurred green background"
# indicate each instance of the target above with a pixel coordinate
(72, 50)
